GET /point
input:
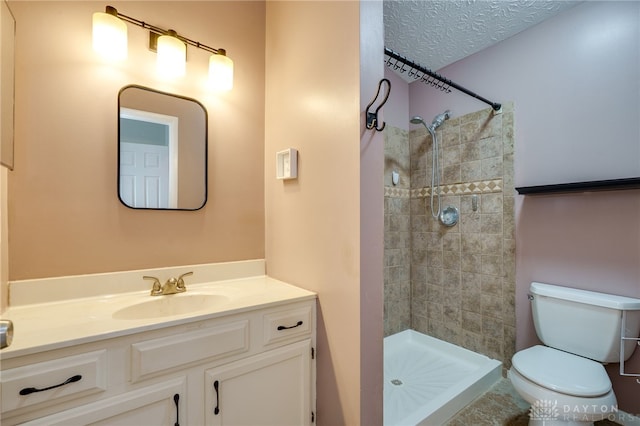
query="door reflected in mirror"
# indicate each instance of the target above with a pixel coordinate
(162, 150)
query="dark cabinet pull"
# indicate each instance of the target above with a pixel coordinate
(216, 410)
(282, 327)
(27, 391)
(176, 398)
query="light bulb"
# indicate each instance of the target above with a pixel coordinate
(220, 71)
(109, 36)
(172, 53)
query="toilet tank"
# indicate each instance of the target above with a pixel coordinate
(584, 323)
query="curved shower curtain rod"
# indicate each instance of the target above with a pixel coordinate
(418, 72)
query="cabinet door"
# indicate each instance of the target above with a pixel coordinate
(153, 405)
(272, 388)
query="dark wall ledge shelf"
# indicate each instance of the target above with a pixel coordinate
(595, 185)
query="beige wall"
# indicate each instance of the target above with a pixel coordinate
(313, 222)
(64, 213)
(65, 216)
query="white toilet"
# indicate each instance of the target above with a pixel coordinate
(564, 381)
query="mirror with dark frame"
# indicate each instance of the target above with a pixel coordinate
(162, 150)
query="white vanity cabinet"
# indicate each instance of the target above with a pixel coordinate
(261, 360)
(267, 389)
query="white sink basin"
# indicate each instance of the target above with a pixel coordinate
(174, 304)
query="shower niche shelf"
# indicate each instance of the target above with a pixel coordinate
(594, 185)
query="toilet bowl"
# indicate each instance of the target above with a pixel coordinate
(562, 388)
(564, 379)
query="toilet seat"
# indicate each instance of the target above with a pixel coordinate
(565, 409)
(562, 372)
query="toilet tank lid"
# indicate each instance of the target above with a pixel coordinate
(612, 301)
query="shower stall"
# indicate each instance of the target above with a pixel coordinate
(449, 291)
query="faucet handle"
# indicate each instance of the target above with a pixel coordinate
(157, 287)
(180, 285)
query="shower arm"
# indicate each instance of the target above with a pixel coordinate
(446, 83)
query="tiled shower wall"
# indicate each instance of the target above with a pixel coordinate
(456, 284)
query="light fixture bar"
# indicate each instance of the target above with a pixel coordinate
(161, 31)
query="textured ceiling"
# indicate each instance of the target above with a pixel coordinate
(436, 33)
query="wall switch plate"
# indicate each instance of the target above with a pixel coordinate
(287, 164)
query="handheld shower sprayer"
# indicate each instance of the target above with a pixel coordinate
(435, 166)
(417, 120)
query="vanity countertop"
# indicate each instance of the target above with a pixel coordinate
(53, 325)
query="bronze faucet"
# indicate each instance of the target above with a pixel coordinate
(172, 286)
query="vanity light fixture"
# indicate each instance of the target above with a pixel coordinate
(110, 40)
(110, 35)
(172, 54)
(221, 71)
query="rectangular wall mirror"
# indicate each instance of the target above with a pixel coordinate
(162, 150)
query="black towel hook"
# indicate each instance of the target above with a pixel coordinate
(372, 117)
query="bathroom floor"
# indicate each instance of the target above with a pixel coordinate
(499, 406)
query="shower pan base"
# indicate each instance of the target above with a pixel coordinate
(427, 380)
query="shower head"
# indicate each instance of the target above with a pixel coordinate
(439, 119)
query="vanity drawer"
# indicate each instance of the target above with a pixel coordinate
(153, 356)
(54, 381)
(287, 324)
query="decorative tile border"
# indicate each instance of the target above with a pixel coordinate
(391, 191)
(465, 188)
